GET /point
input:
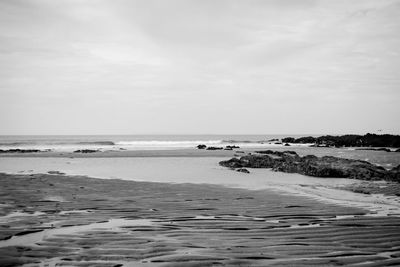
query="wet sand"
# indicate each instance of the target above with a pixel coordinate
(55, 220)
(134, 153)
(385, 159)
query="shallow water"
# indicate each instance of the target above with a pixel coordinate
(171, 170)
(205, 170)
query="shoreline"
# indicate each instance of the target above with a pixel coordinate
(387, 160)
(134, 223)
(132, 153)
(379, 198)
(201, 166)
(190, 212)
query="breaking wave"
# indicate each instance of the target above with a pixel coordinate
(167, 143)
(52, 143)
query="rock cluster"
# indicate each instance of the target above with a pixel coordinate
(327, 166)
(214, 148)
(85, 151)
(202, 146)
(349, 140)
(20, 150)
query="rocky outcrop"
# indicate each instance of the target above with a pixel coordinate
(214, 148)
(20, 150)
(201, 146)
(395, 173)
(349, 140)
(327, 166)
(56, 172)
(289, 140)
(85, 151)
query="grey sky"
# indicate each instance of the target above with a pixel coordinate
(206, 66)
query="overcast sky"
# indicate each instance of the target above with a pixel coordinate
(206, 66)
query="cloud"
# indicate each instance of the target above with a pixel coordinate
(156, 60)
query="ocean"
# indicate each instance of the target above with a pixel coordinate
(176, 168)
(69, 143)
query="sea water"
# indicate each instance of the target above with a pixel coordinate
(193, 169)
(204, 170)
(69, 143)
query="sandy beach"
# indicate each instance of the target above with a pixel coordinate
(179, 208)
(199, 133)
(79, 221)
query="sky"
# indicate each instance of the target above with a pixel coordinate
(199, 67)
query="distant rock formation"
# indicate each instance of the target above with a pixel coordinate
(289, 140)
(17, 150)
(214, 148)
(201, 146)
(233, 146)
(327, 166)
(350, 140)
(85, 151)
(56, 172)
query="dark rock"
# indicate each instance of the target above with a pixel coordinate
(17, 150)
(243, 170)
(396, 169)
(306, 140)
(56, 172)
(350, 140)
(232, 147)
(289, 140)
(287, 144)
(395, 173)
(228, 148)
(328, 166)
(201, 146)
(273, 140)
(278, 153)
(397, 150)
(214, 148)
(278, 143)
(232, 163)
(85, 151)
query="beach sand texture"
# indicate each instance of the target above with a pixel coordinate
(54, 220)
